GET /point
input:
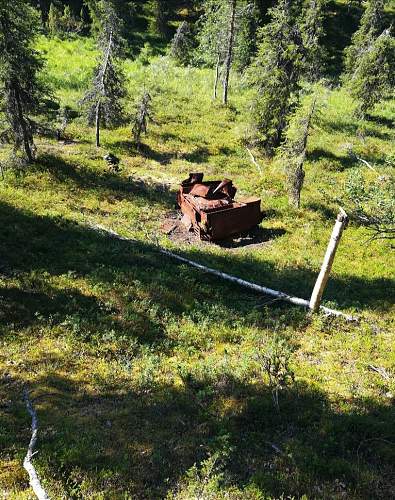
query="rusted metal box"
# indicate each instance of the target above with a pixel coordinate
(209, 208)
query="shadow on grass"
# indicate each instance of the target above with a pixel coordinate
(106, 183)
(340, 23)
(340, 163)
(326, 212)
(343, 162)
(353, 129)
(382, 120)
(256, 236)
(141, 440)
(34, 249)
(199, 155)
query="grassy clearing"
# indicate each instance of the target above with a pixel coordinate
(143, 367)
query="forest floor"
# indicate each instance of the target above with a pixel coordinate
(141, 367)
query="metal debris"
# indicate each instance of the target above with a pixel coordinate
(210, 210)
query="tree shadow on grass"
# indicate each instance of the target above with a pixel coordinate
(353, 128)
(37, 249)
(382, 120)
(340, 163)
(162, 157)
(198, 155)
(107, 183)
(327, 213)
(141, 440)
(256, 236)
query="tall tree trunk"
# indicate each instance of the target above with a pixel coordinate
(23, 125)
(97, 123)
(216, 75)
(102, 89)
(229, 52)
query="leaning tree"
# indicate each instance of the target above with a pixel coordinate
(21, 91)
(371, 25)
(182, 44)
(104, 98)
(374, 77)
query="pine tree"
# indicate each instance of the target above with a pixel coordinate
(371, 26)
(105, 96)
(182, 43)
(275, 74)
(374, 76)
(20, 89)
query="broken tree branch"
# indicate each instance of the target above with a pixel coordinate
(252, 286)
(323, 277)
(254, 160)
(381, 371)
(27, 463)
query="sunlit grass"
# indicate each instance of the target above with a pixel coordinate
(145, 367)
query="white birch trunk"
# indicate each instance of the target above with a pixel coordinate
(35, 483)
(323, 277)
(229, 51)
(253, 286)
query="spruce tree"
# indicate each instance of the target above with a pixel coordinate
(105, 96)
(371, 26)
(275, 75)
(293, 150)
(20, 89)
(312, 30)
(373, 79)
(161, 13)
(289, 51)
(182, 43)
(141, 117)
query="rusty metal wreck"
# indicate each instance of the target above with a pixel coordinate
(210, 210)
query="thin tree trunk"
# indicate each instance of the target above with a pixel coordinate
(217, 75)
(102, 89)
(97, 123)
(22, 121)
(229, 53)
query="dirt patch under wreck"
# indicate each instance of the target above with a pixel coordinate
(257, 237)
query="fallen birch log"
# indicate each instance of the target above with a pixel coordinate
(27, 463)
(253, 286)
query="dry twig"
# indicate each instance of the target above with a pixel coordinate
(35, 483)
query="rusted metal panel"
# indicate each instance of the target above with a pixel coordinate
(212, 211)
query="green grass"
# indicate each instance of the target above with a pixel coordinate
(142, 367)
